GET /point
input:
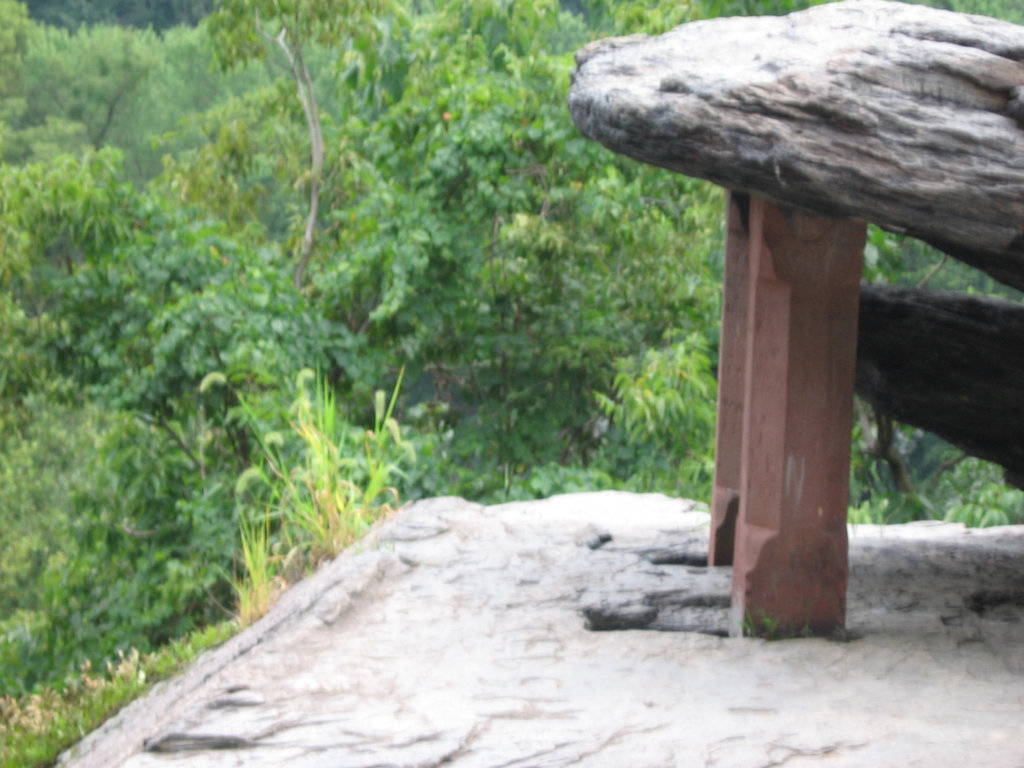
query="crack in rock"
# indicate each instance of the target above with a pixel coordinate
(692, 552)
(998, 604)
(791, 752)
(179, 741)
(609, 618)
(196, 742)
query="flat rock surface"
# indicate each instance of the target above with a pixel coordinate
(471, 636)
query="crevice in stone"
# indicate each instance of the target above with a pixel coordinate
(608, 618)
(663, 611)
(999, 604)
(675, 556)
(682, 599)
(196, 742)
(691, 551)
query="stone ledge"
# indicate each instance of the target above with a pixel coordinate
(455, 635)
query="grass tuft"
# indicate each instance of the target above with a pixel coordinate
(321, 498)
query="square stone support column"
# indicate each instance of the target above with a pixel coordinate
(797, 326)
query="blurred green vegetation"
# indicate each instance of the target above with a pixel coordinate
(172, 255)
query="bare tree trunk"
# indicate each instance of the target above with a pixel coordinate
(880, 445)
(304, 86)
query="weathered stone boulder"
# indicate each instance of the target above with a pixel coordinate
(905, 116)
(949, 363)
(463, 636)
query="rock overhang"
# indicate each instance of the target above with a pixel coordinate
(897, 114)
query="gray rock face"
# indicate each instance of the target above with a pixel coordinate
(463, 635)
(949, 363)
(902, 115)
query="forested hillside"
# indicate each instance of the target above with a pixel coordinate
(269, 272)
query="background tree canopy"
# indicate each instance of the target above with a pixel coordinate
(199, 201)
(158, 14)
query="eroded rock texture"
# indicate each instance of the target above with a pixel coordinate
(902, 115)
(466, 636)
(950, 363)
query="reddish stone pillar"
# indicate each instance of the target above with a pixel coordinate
(732, 351)
(790, 549)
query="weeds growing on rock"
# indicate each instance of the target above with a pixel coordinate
(318, 498)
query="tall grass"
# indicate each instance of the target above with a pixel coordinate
(318, 497)
(262, 582)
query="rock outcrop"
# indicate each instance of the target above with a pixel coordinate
(583, 630)
(950, 363)
(902, 115)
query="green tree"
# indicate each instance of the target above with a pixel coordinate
(506, 260)
(15, 34)
(93, 76)
(663, 417)
(158, 14)
(244, 30)
(136, 303)
(185, 104)
(1007, 10)
(78, 90)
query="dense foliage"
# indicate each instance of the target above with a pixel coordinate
(355, 190)
(159, 14)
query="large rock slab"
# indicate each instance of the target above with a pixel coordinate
(902, 115)
(468, 636)
(949, 363)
